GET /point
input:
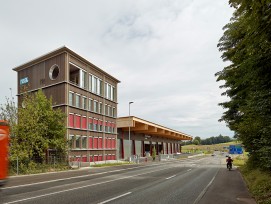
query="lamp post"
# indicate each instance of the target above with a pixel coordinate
(129, 133)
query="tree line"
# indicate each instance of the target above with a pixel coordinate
(209, 141)
(246, 45)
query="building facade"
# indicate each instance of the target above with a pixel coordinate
(139, 137)
(84, 92)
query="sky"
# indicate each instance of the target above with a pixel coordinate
(164, 52)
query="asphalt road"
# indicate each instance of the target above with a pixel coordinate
(177, 181)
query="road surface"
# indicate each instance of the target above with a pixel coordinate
(176, 181)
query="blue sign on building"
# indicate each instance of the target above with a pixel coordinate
(235, 149)
(24, 81)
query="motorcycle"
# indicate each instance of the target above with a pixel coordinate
(229, 166)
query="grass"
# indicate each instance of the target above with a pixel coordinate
(259, 184)
(240, 160)
(207, 149)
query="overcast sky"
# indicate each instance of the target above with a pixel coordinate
(163, 51)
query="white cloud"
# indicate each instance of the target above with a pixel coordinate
(163, 52)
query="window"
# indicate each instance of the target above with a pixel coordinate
(84, 102)
(71, 141)
(114, 112)
(53, 72)
(71, 95)
(113, 94)
(100, 125)
(95, 124)
(100, 108)
(105, 109)
(109, 91)
(95, 106)
(113, 127)
(109, 126)
(90, 123)
(105, 126)
(90, 104)
(95, 85)
(105, 90)
(83, 79)
(74, 72)
(77, 100)
(84, 142)
(90, 83)
(77, 142)
(109, 110)
(100, 87)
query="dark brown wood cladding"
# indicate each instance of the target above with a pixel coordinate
(57, 93)
(38, 74)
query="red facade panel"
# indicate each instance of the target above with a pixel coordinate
(95, 143)
(113, 143)
(91, 159)
(84, 123)
(100, 143)
(90, 143)
(71, 120)
(77, 121)
(95, 158)
(84, 158)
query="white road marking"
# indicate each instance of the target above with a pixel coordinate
(170, 177)
(106, 201)
(74, 177)
(189, 169)
(204, 190)
(72, 189)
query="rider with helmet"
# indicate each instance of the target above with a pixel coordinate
(229, 162)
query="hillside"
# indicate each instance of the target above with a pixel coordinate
(208, 148)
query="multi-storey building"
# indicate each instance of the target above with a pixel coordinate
(84, 92)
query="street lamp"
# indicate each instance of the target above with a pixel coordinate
(129, 133)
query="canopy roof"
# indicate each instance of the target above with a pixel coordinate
(142, 126)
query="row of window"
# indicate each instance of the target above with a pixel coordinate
(81, 122)
(81, 101)
(82, 142)
(94, 83)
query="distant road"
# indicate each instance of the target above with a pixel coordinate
(178, 181)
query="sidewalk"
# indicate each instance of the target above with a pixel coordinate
(228, 187)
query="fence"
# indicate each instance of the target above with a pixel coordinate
(19, 165)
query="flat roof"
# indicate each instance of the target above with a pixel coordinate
(143, 126)
(60, 50)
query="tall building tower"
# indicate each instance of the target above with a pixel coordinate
(84, 92)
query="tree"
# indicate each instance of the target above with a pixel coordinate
(8, 112)
(246, 44)
(198, 139)
(153, 153)
(39, 128)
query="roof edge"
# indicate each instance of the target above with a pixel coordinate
(156, 125)
(56, 51)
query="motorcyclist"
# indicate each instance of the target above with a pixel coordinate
(229, 162)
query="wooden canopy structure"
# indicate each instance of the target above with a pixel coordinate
(148, 128)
